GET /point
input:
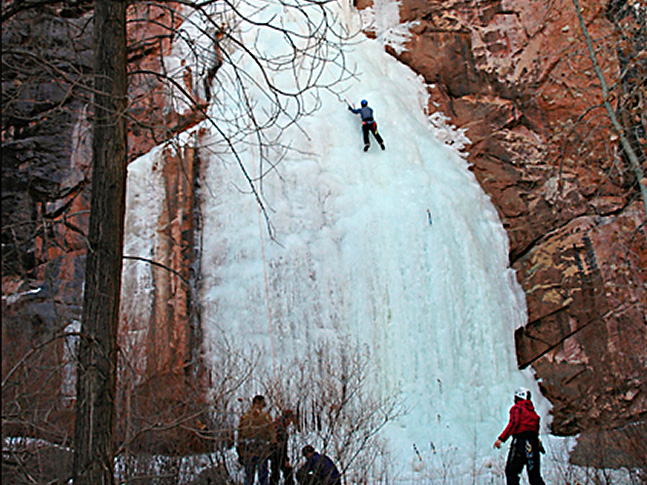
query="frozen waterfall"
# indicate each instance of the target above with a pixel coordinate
(399, 252)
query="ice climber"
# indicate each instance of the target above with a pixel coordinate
(525, 447)
(368, 123)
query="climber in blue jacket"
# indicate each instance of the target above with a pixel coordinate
(368, 123)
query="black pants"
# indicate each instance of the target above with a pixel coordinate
(280, 465)
(524, 451)
(371, 127)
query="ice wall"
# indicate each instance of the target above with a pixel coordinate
(399, 251)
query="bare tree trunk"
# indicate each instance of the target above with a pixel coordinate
(95, 411)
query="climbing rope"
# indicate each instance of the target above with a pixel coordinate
(266, 279)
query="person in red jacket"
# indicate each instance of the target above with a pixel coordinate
(524, 450)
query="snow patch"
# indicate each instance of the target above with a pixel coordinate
(383, 19)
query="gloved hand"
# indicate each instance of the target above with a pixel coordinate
(350, 108)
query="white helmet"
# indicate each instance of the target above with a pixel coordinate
(522, 393)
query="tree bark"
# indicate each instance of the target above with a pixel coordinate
(96, 385)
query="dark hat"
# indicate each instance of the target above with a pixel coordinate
(307, 449)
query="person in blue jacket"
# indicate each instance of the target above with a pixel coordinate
(318, 469)
(368, 123)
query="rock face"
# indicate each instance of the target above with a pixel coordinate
(46, 154)
(45, 205)
(514, 74)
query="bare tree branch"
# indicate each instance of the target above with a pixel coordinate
(611, 113)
